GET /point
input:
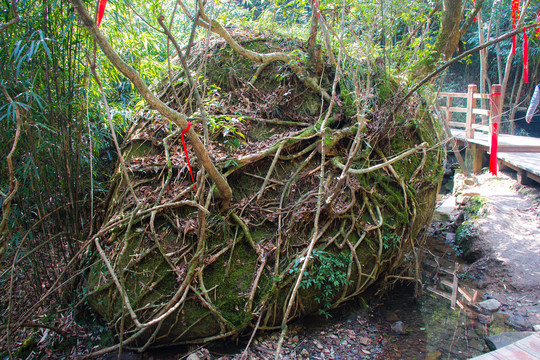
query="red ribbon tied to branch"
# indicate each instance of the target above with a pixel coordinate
(101, 11)
(525, 57)
(187, 156)
(515, 16)
(493, 155)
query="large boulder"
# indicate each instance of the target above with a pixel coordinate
(178, 268)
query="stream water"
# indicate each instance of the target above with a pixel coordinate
(434, 329)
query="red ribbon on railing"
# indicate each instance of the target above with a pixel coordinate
(101, 11)
(187, 156)
(525, 57)
(493, 155)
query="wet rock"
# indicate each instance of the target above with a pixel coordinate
(518, 322)
(485, 319)
(490, 305)
(498, 341)
(399, 328)
(443, 212)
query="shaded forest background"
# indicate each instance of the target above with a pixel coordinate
(57, 147)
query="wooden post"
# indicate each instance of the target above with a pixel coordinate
(448, 106)
(478, 155)
(471, 104)
(495, 108)
(453, 301)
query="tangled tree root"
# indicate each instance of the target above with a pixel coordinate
(319, 212)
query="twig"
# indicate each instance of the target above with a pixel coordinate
(270, 170)
(336, 162)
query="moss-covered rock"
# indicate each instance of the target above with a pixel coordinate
(186, 271)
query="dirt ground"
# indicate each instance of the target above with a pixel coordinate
(509, 239)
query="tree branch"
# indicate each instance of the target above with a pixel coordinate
(220, 181)
(456, 59)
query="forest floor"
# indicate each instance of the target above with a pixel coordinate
(506, 248)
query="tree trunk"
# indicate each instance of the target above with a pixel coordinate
(449, 33)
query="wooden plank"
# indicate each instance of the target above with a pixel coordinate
(513, 352)
(478, 154)
(440, 293)
(525, 161)
(527, 349)
(437, 266)
(454, 288)
(462, 291)
(481, 96)
(453, 94)
(446, 283)
(481, 112)
(519, 148)
(471, 104)
(531, 343)
(456, 124)
(449, 101)
(480, 127)
(454, 109)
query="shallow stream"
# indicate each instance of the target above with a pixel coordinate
(434, 329)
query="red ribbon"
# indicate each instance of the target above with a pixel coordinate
(515, 16)
(538, 20)
(525, 57)
(474, 2)
(101, 11)
(187, 156)
(493, 155)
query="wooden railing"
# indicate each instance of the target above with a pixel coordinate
(472, 109)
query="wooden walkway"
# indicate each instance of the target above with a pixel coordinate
(524, 349)
(520, 153)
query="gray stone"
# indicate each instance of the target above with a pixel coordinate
(490, 305)
(442, 213)
(519, 322)
(485, 319)
(450, 239)
(399, 328)
(498, 341)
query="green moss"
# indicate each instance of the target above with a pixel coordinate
(476, 206)
(139, 148)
